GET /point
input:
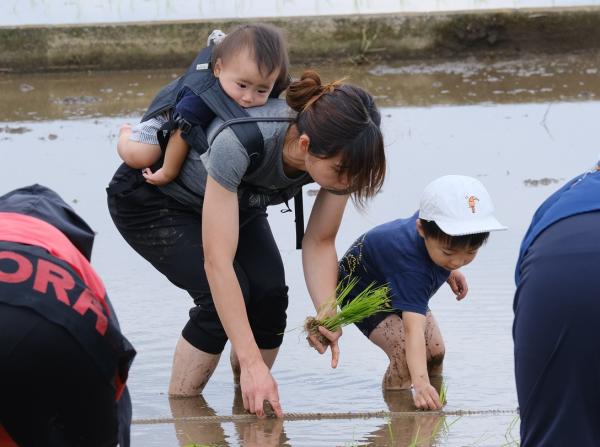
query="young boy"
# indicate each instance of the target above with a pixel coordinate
(415, 256)
(250, 63)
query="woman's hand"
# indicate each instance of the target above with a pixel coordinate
(332, 337)
(458, 284)
(257, 386)
(319, 260)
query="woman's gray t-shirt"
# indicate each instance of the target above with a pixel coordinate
(227, 160)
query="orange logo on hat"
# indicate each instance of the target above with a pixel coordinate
(471, 200)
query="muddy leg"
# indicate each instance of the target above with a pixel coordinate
(389, 336)
(436, 349)
(268, 356)
(191, 369)
(235, 367)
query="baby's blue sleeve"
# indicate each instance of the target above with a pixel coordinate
(193, 109)
(410, 291)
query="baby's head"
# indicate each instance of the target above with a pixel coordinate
(250, 63)
(456, 217)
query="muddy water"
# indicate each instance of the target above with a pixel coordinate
(523, 128)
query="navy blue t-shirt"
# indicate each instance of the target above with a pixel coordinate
(193, 109)
(577, 196)
(394, 253)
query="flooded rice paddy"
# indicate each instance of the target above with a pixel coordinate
(521, 126)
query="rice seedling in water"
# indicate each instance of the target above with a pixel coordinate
(510, 439)
(442, 428)
(368, 302)
(193, 444)
(443, 393)
(415, 440)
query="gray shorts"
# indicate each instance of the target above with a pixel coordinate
(145, 132)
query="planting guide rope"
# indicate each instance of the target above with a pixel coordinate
(312, 416)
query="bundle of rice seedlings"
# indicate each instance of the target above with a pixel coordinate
(368, 302)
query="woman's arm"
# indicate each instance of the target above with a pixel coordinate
(220, 232)
(426, 397)
(319, 260)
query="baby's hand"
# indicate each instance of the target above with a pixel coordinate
(158, 178)
(458, 284)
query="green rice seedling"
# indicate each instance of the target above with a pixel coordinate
(193, 444)
(443, 393)
(390, 430)
(441, 427)
(415, 440)
(444, 427)
(368, 302)
(483, 438)
(510, 439)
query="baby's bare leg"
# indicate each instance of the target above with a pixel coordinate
(389, 336)
(135, 154)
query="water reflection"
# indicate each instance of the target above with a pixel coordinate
(194, 432)
(250, 432)
(410, 430)
(407, 426)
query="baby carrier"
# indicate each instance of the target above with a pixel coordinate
(199, 78)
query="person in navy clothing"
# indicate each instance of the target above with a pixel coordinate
(414, 257)
(557, 310)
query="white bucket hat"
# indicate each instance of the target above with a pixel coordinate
(459, 205)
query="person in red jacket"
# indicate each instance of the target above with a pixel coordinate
(63, 359)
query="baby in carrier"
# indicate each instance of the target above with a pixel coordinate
(250, 65)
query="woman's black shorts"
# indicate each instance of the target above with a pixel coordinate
(168, 234)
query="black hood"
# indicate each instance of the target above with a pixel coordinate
(43, 203)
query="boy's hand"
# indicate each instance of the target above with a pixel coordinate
(426, 397)
(158, 178)
(458, 284)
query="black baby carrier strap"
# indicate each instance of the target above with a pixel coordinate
(247, 131)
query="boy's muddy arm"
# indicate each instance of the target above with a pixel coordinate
(319, 260)
(425, 397)
(458, 284)
(175, 154)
